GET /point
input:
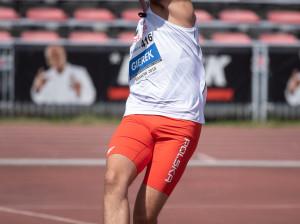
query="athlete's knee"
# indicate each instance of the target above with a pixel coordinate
(120, 172)
(116, 182)
(111, 178)
(113, 182)
(115, 178)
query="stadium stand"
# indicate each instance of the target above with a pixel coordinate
(7, 13)
(39, 36)
(117, 17)
(92, 14)
(280, 16)
(130, 14)
(5, 36)
(201, 38)
(126, 36)
(203, 16)
(231, 38)
(239, 16)
(278, 38)
(46, 14)
(88, 37)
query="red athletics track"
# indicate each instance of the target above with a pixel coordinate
(211, 191)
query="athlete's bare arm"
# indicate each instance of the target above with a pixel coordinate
(179, 12)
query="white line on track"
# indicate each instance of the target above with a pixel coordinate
(57, 207)
(236, 206)
(193, 163)
(167, 206)
(247, 163)
(43, 216)
(205, 158)
(52, 162)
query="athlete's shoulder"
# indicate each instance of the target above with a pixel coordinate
(167, 3)
(179, 12)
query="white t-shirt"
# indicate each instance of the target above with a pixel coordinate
(166, 73)
(58, 88)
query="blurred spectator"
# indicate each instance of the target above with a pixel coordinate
(292, 91)
(63, 83)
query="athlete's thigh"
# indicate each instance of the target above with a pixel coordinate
(173, 149)
(133, 140)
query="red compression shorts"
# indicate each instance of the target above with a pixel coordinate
(163, 144)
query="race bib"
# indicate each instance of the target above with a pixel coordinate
(145, 59)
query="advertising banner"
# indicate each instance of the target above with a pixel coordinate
(85, 75)
(284, 76)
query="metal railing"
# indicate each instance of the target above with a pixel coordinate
(6, 73)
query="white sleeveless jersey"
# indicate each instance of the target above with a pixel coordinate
(166, 73)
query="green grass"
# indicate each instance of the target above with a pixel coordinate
(249, 123)
(77, 120)
(88, 119)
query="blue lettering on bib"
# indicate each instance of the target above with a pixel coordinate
(144, 60)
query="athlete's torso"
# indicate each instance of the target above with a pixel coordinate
(166, 74)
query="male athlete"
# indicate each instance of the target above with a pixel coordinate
(164, 113)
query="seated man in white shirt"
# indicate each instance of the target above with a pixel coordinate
(63, 83)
